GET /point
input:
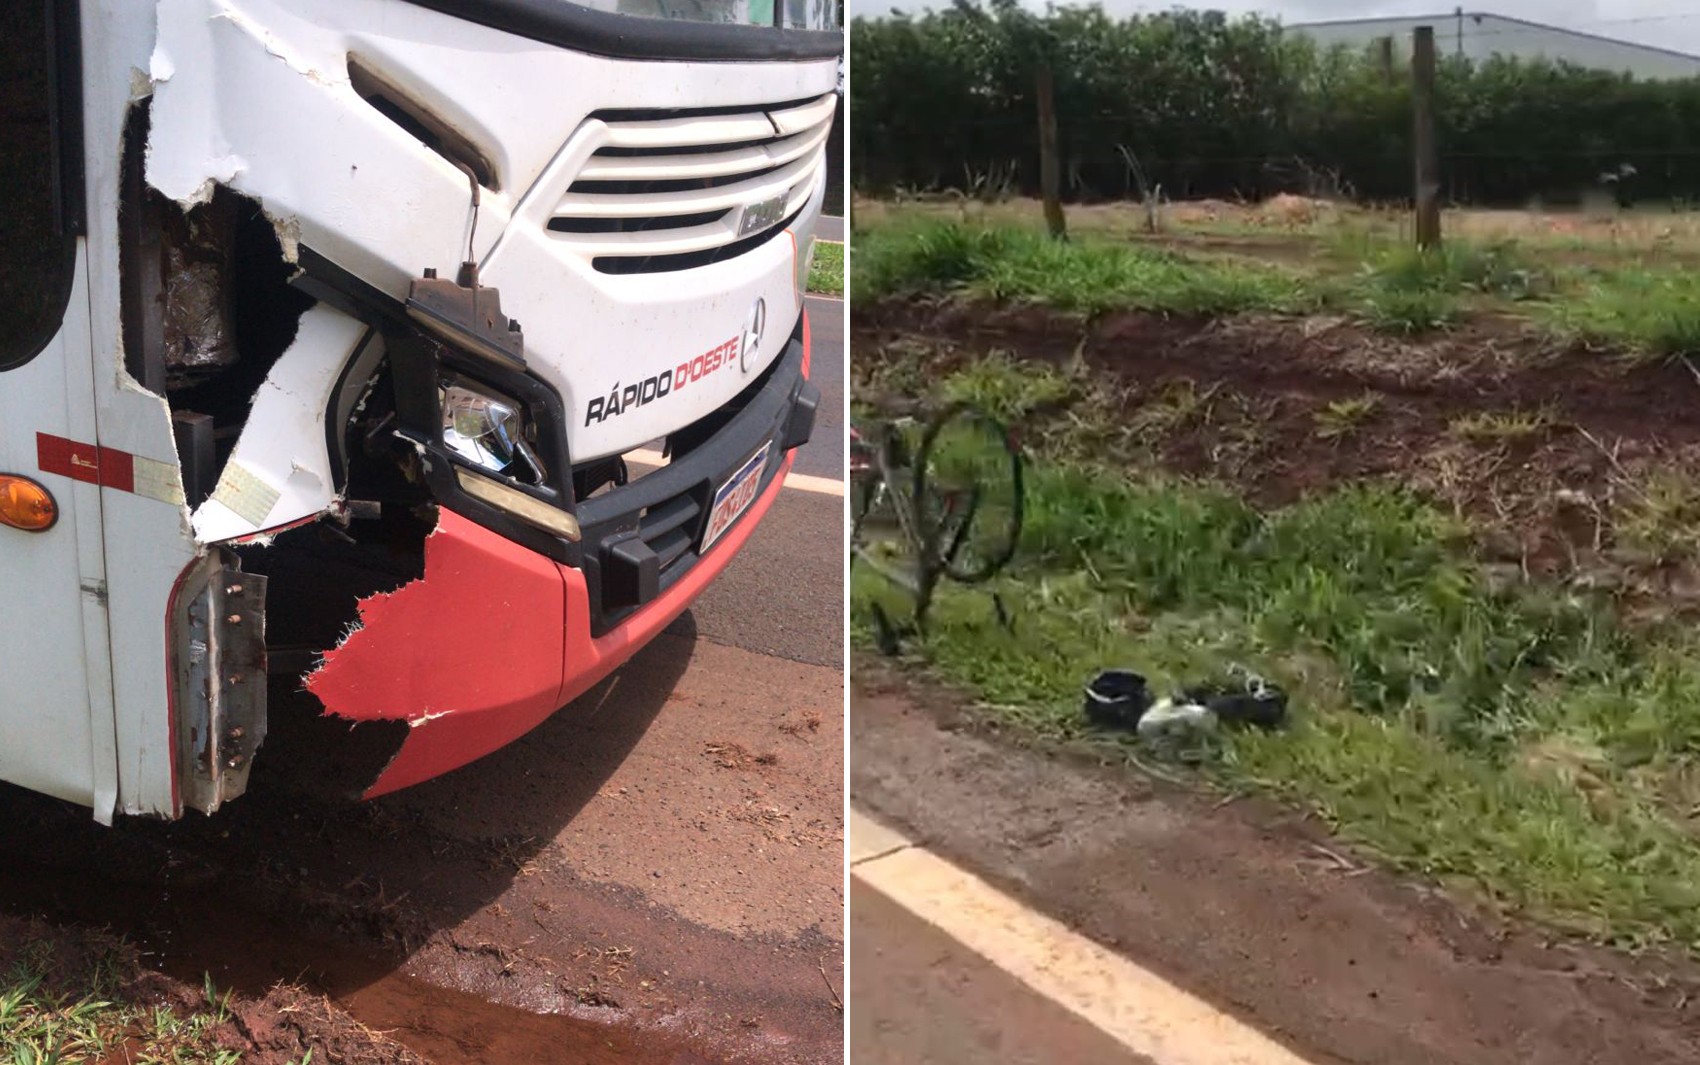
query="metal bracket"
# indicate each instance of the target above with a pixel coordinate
(468, 315)
(219, 663)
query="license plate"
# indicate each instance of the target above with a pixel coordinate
(734, 497)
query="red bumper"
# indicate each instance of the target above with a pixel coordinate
(472, 656)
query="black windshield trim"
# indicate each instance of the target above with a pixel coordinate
(584, 29)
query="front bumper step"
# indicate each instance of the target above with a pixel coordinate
(642, 537)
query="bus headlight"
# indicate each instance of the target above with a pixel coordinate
(489, 431)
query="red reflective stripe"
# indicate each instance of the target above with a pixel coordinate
(805, 342)
(55, 454)
(117, 469)
(86, 462)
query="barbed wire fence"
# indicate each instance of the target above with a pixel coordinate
(1114, 167)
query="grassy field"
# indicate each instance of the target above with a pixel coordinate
(1619, 282)
(826, 272)
(1527, 735)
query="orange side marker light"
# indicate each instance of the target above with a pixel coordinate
(26, 505)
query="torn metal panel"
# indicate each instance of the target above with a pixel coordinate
(280, 471)
(472, 656)
(476, 641)
(219, 664)
(142, 537)
(259, 99)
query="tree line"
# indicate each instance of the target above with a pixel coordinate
(1204, 105)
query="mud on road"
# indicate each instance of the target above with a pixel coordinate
(653, 875)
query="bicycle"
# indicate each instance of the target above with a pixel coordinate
(960, 517)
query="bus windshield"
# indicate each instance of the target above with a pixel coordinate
(784, 14)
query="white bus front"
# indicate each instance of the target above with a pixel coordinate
(333, 331)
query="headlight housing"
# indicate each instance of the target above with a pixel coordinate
(489, 431)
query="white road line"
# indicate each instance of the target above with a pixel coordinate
(1133, 1006)
(804, 482)
(807, 482)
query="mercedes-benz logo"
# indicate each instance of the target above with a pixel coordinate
(753, 327)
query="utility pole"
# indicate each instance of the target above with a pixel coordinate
(1050, 177)
(1423, 139)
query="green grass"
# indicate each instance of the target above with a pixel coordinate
(1518, 741)
(1649, 312)
(1342, 417)
(1661, 517)
(1391, 310)
(1499, 269)
(1486, 427)
(1391, 289)
(826, 272)
(1087, 276)
(42, 1021)
(1374, 279)
(1395, 288)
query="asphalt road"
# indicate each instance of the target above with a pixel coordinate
(918, 997)
(947, 970)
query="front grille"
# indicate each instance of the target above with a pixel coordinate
(668, 190)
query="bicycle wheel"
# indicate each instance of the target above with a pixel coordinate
(968, 494)
(882, 525)
(865, 484)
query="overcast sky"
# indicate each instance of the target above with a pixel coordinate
(1665, 23)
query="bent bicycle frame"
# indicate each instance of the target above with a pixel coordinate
(935, 546)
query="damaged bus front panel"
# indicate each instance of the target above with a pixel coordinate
(357, 311)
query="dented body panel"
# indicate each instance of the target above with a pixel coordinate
(469, 730)
(257, 96)
(489, 643)
(242, 423)
(145, 535)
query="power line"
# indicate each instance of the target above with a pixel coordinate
(1674, 16)
(1439, 23)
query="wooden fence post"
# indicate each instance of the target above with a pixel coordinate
(1050, 177)
(1423, 139)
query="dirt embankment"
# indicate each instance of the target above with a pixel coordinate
(1567, 461)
